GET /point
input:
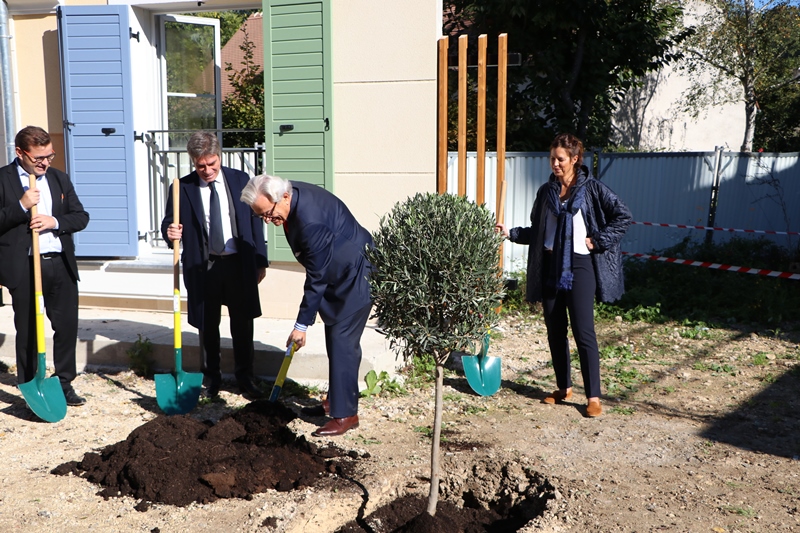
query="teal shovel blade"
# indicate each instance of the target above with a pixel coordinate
(177, 393)
(483, 373)
(45, 397)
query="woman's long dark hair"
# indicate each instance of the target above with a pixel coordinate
(571, 144)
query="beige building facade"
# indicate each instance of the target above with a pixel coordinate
(383, 115)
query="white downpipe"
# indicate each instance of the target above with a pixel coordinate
(5, 83)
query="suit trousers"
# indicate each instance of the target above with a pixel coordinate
(579, 302)
(343, 344)
(223, 286)
(60, 293)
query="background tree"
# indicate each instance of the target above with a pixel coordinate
(778, 120)
(243, 108)
(436, 285)
(229, 21)
(578, 59)
(741, 52)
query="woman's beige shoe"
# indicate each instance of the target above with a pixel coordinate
(557, 396)
(594, 409)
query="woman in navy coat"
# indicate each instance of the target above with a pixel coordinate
(577, 224)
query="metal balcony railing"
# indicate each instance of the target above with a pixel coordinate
(167, 160)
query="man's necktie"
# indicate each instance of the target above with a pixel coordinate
(216, 240)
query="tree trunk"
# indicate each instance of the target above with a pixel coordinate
(750, 120)
(749, 78)
(433, 495)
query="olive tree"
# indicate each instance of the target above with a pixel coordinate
(436, 285)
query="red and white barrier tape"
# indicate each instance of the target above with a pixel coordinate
(684, 226)
(718, 266)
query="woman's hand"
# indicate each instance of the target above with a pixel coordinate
(589, 243)
(501, 228)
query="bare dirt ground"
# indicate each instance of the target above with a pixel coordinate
(701, 432)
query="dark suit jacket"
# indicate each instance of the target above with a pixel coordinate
(328, 241)
(15, 235)
(249, 237)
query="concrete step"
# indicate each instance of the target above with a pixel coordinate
(123, 301)
(106, 335)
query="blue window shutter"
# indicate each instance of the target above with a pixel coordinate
(94, 45)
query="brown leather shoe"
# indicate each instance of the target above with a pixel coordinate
(337, 427)
(593, 408)
(557, 396)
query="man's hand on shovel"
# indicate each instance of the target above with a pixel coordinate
(298, 338)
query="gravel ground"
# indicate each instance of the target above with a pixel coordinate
(700, 432)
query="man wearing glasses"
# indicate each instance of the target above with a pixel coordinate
(329, 242)
(224, 259)
(59, 215)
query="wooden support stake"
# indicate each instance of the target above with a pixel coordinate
(462, 115)
(481, 148)
(441, 155)
(502, 67)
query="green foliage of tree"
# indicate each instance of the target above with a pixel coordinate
(778, 120)
(229, 21)
(436, 285)
(741, 52)
(243, 108)
(578, 60)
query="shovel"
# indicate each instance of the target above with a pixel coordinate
(177, 393)
(483, 372)
(287, 360)
(44, 396)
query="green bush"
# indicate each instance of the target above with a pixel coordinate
(683, 292)
(437, 282)
(140, 354)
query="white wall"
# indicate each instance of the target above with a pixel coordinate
(384, 99)
(651, 118)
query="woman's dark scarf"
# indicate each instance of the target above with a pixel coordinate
(560, 273)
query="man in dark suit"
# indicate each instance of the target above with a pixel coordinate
(328, 241)
(59, 215)
(224, 259)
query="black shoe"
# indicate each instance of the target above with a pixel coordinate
(247, 387)
(72, 398)
(212, 387)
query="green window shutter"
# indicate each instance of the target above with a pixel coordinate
(298, 98)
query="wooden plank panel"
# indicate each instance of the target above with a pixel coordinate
(300, 86)
(298, 73)
(290, 34)
(296, 20)
(297, 60)
(298, 100)
(299, 113)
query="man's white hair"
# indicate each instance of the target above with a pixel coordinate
(272, 187)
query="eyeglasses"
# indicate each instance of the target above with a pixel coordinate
(266, 217)
(41, 158)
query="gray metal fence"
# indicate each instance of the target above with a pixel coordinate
(759, 191)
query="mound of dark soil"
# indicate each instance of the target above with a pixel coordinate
(178, 460)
